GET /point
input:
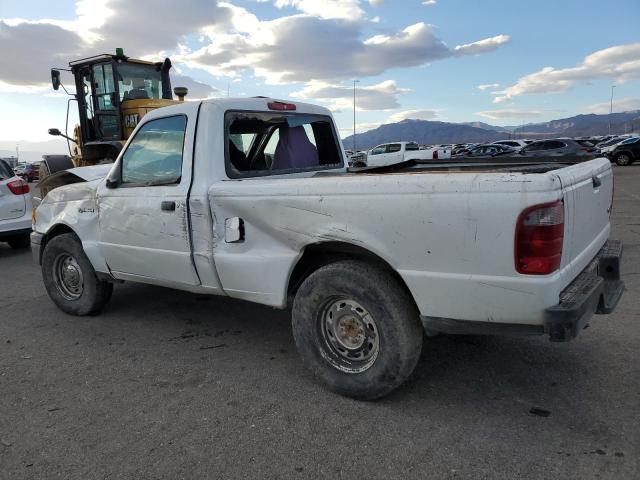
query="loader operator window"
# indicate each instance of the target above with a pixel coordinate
(104, 86)
(139, 81)
(275, 143)
(154, 156)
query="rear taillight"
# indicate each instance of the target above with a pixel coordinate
(435, 154)
(282, 106)
(539, 238)
(18, 187)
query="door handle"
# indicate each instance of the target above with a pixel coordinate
(168, 206)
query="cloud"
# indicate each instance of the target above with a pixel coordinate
(145, 30)
(413, 115)
(31, 48)
(197, 90)
(620, 105)
(510, 113)
(300, 48)
(620, 63)
(488, 86)
(382, 96)
(317, 44)
(429, 2)
(328, 9)
(482, 46)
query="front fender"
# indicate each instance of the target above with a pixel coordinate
(73, 207)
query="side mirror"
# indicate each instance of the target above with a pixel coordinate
(113, 180)
(111, 183)
(55, 79)
(55, 132)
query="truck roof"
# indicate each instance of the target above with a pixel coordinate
(252, 104)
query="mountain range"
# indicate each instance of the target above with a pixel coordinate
(433, 132)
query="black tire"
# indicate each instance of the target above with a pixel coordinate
(20, 241)
(395, 318)
(623, 159)
(94, 293)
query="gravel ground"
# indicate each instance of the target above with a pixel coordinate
(167, 384)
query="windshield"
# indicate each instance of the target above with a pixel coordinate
(139, 81)
(630, 140)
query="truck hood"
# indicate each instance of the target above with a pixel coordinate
(78, 189)
(76, 175)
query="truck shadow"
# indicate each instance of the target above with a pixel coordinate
(453, 370)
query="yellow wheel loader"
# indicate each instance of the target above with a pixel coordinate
(112, 93)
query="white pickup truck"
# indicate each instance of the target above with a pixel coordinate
(250, 198)
(396, 152)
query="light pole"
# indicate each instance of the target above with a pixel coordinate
(354, 114)
(611, 107)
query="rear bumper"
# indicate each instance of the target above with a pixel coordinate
(596, 290)
(16, 226)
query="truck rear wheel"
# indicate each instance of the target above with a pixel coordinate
(357, 329)
(70, 279)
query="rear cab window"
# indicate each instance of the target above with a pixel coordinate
(266, 143)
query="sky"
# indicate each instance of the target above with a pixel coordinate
(496, 61)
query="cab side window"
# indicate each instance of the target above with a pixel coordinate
(393, 147)
(154, 156)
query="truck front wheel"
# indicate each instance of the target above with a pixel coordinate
(70, 279)
(357, 329)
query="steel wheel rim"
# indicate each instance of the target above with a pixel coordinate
(350, 335)
(67, 276)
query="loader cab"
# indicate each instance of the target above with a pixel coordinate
(108, 86)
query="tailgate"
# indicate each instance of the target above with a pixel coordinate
(587, 189)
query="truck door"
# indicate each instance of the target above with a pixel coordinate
(394, 153)
(143, 219)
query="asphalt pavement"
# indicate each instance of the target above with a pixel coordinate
(167, 384)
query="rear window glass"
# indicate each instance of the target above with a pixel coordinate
(261, 143)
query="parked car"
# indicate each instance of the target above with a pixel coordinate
(626, 152)
(558, 147)
(31, 172)
(462, 149)
(370, 260)
(15, 208)
(491, 150)
(19, 169)
(356, 159)
(396, 152)
(608, 145)
(516, 144)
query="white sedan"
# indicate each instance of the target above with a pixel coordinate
(15, 208)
